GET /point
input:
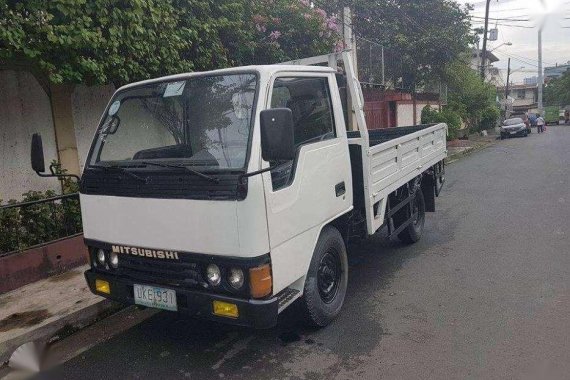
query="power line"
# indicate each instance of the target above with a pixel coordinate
(529, 59)
(512, 26)
(502, 19)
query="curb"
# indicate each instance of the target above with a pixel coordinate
(457, 156)
(60, 328)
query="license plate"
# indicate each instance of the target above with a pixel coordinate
(153, 296)
(513, 133)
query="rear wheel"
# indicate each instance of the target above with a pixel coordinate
(325, 286)
(415, 229)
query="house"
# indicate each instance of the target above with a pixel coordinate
(522, 98)
(492, 74)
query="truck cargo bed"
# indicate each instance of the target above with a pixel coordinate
(392, 157)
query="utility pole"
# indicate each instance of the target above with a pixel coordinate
(485, 32)
(350, 43)
(507, 88)
(540, 77)
(349, 40)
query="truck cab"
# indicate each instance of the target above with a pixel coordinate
(230, 194)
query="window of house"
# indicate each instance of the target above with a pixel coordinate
(521, 94)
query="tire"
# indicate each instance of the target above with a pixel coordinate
(325, 286)
(414, 231)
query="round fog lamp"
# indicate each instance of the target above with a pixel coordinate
(236, 278)
(114, 260)
(101, 257)
(213, 274)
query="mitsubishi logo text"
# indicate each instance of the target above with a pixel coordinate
(170, 255)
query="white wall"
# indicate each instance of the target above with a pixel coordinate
(24, 110)
(405, 113)
(88, 105)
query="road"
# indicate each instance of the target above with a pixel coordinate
(484, 294)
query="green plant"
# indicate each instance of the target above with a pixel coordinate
(447, 115)
(25, 226)
(120, 41)
(489, 118)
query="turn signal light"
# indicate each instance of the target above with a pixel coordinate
(225, 309)
(260, 281)
(102, 286)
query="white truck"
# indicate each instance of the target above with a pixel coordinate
(230, 194)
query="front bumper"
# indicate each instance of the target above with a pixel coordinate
(259, 314)
(519, 132)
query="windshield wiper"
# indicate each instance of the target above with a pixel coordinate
(120, 169)
(192, 171)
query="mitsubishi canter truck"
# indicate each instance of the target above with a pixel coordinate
(231, 194)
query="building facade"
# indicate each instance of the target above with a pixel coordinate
(554, 72)
(522, 98)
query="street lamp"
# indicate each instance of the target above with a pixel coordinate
(504, 43)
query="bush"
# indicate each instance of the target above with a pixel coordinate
(489, 118)
(23, 227)
(447, 115)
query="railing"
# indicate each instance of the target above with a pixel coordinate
(26, 224)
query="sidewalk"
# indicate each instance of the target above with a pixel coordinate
(458, 148)
(48, 310)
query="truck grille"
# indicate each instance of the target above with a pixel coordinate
(159, 272)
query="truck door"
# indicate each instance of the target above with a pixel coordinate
(305, 193)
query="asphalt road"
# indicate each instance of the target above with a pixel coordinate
(484, 294)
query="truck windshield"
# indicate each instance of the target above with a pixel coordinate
(201, 121)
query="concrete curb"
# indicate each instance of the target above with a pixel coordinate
(456, 156)
(60, 328)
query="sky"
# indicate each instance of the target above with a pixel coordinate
(524, 34)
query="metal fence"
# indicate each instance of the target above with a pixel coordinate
(26, 224)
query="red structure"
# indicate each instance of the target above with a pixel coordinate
(380, 107)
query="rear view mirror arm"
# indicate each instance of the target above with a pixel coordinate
(59, 176)
(251, 174)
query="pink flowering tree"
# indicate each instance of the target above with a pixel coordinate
(285, 30)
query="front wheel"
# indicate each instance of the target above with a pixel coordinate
(325, 286)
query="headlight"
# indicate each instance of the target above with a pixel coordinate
(235, 278)
(114, 260)
(101, 256)
(213, 274)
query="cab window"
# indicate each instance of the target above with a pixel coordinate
(310, 102)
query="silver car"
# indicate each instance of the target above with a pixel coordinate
(514, 127)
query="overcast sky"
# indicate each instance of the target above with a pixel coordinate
(555, 39)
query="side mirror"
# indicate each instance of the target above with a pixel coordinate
(37, 154)
(277, 136)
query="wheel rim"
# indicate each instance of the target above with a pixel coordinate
(329, 276)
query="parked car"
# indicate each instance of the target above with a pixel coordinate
(514, 127)
(526, 120)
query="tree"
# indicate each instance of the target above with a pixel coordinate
(119, 41)
(468, 95)
(420, 38)
(557, 91)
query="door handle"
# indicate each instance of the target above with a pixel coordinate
(340, 189)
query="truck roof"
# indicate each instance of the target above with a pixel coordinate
(267, 70)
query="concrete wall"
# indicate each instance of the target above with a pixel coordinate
(405, 112)
(24, 110)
